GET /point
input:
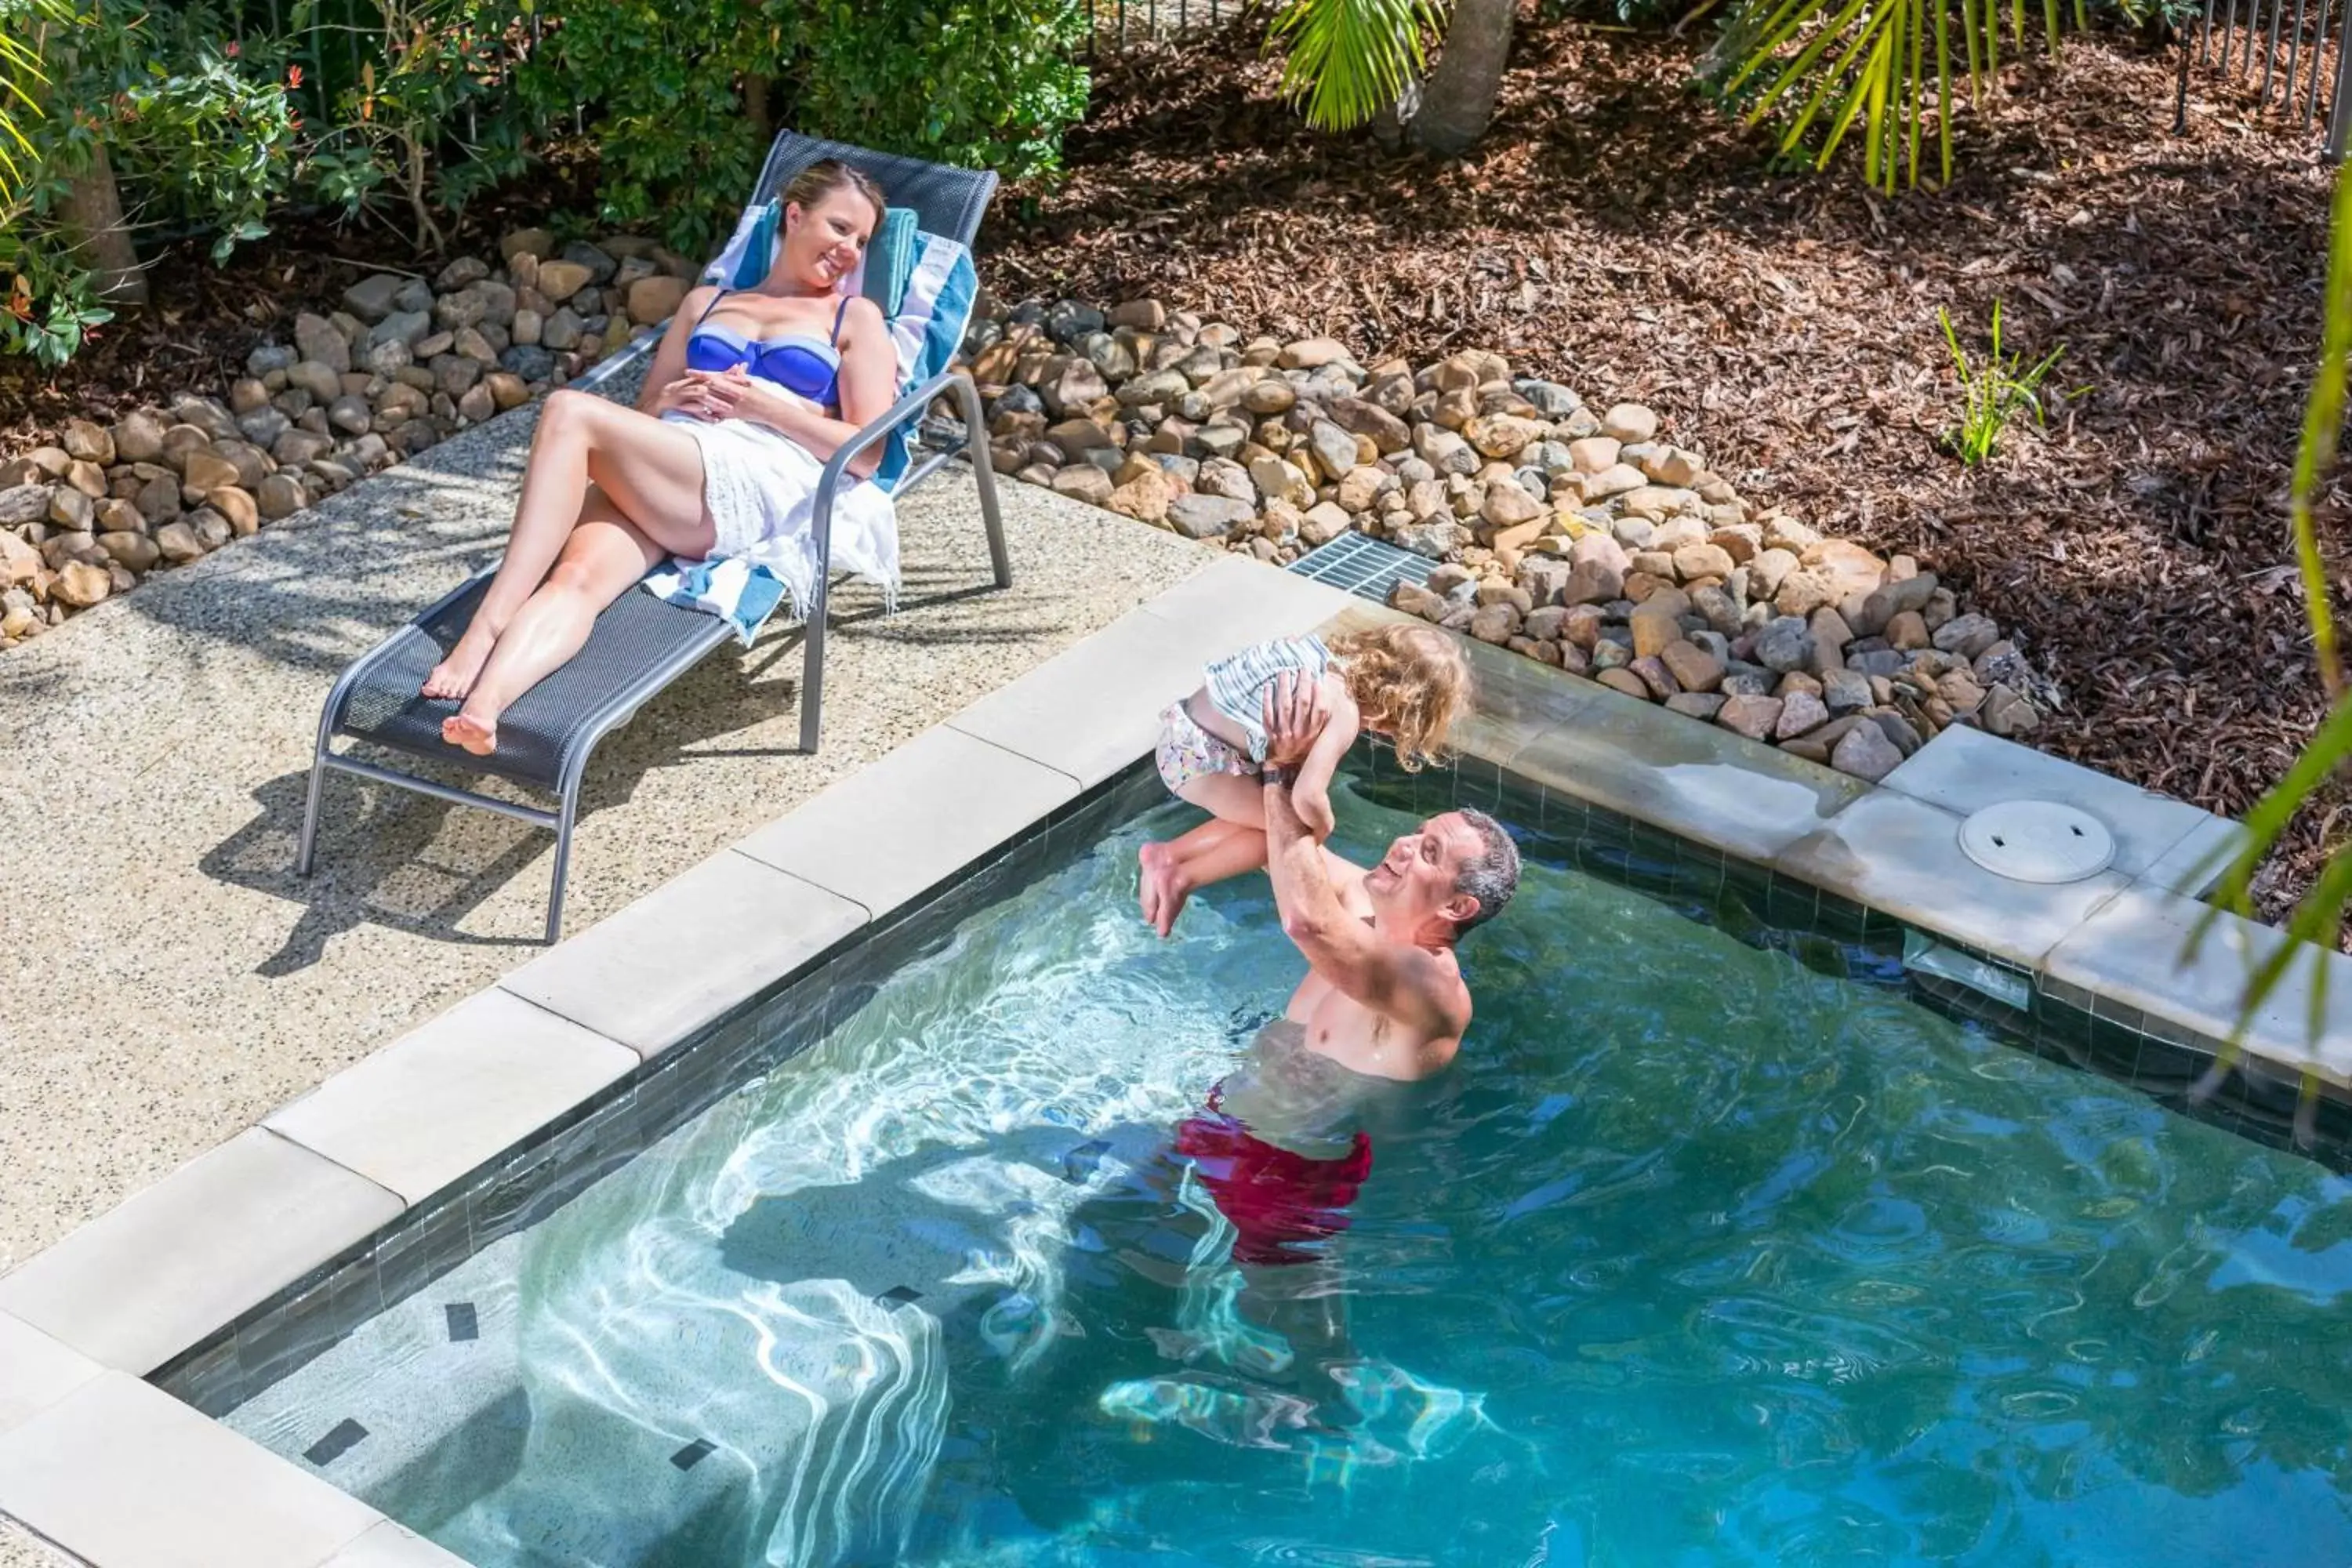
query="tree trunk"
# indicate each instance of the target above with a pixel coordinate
(1460, 98)
(92, 218)
(756, 89)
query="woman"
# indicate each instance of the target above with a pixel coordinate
(751, 391)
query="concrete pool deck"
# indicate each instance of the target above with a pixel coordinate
(692, 933)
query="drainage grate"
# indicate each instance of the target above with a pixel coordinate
(1363, 566)
(2038, 841)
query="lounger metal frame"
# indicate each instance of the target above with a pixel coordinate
(788, 156)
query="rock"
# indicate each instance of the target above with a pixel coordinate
(267, 360)
(81, 585)
(560, 280)
(88, 443)
(1507, 505)
(656, 299)
(1436, 539)
(138, 437)
(1548, 398)
(1495, 623)
(281, 495)
(1693, 561)
(1591, 583)
(2005, 713)
(1084, 481)
(1787, 534)
(320, 342)
(1501, 435)
(321, 380)
(1620, 479)
(1804, 591)
(1324, 522)
(1695, 669)
(1208, 516)
(1966, 636)
(1907, 631)
(71, 509)
(1361, 488)
(1672, 466)
(1275, 479)
(1845, 692)
(599, 263)
(158, 500)
(1800, 712)
(1333, 449)
(386, 358)
(1144, 315)
(23, 504)
(371, 298)
(1359, 416)
(1657, 681)
(1784, 645)
(561, 329)
(237, 507)
(1312, 353)
(529, 363)
(296, 447)
(1654, 631)
(535, 243)
(407, 328)
(1144, 498)
(1623, 681)
(178, 544)
(204, 472)
(1630, 423)
(1594, 454)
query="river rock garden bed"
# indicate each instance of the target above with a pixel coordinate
(405, 364)
(1582, 536)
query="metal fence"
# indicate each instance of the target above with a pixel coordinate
(2282, 50)
(1118, 23)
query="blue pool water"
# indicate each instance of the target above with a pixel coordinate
(1699, 1256)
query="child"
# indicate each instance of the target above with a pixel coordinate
(1402, 682)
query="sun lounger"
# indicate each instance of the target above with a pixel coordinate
(640, 644)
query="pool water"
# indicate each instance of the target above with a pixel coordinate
(1699, 1256)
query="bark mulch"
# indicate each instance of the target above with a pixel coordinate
(1615, 232)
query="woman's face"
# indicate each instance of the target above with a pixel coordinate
(825, 239)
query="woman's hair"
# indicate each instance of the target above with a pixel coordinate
(1410, 682)
(826, 175)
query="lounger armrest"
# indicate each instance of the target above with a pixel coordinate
(909, 407)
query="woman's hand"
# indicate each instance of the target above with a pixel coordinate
(736, 395)
(683, 395)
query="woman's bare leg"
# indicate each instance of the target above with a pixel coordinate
(602, 559)
(652, 471)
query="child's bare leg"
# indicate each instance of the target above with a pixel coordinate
(1209, 853)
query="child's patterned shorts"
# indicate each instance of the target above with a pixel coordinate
(1187, 751)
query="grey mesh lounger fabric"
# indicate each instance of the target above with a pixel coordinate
(640, 644)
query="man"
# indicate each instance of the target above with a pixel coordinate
(1282, 1149)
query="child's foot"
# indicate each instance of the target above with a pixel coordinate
(1163, 891)
(469, 734)
(1148, 861)
(453, 677)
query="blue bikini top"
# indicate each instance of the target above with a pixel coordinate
(797, 362)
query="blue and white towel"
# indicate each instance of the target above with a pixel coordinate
(936, 286)
(737, 592)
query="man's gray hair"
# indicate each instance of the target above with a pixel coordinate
(1492, 875)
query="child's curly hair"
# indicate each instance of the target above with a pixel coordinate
(1411, 682)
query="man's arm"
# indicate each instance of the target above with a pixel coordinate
(1393, 978)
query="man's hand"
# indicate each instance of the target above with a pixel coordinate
(1295, 713)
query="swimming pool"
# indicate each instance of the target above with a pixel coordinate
(1713, 1248)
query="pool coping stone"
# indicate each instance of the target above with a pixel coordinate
(175, 1260)
(421, 1112)
(121, 1472)
(36, 1370)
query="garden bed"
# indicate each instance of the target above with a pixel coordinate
(1614, 234)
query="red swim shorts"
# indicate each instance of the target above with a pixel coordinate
(1274, 1197)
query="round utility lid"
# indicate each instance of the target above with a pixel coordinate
(2038, 841)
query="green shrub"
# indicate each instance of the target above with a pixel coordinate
(983, 83)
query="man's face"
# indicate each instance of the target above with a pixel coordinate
(1415, 879)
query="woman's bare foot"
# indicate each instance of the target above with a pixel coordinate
(1164, 891)
(471, 734)
(453, 677)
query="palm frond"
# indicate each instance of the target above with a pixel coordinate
(1351, 59)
